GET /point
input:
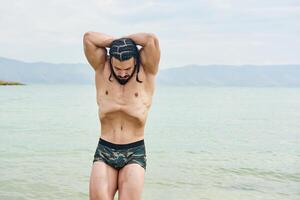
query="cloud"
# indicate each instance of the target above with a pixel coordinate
(201, 32)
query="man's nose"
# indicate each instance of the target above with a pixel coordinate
(122, 73)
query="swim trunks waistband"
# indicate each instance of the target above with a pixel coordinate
(121, 146)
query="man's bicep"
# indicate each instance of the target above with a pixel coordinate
(96, 56)
(150, 56)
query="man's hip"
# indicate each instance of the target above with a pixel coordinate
(119, 155)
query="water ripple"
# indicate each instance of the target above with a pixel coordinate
(265, 174)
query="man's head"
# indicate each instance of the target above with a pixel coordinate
(124, 60)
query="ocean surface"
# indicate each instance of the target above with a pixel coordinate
(202, 143)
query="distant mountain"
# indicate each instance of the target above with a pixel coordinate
(203, 75)
(43, 72)
(231, 75)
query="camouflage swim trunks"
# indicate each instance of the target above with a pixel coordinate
(119, 155)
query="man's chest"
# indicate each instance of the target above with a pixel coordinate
(109, 95)
(131, 96)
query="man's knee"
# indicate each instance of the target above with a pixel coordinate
(99, 196)
(98, 191)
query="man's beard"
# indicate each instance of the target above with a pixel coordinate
(123, 81)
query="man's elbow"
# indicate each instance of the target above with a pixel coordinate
(152, 36)
(153, 40)
(87, 36)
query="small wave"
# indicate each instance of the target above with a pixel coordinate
(260, 173)
(172, 183)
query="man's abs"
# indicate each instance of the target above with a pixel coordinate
(120, 128)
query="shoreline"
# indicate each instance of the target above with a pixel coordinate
(3, 83)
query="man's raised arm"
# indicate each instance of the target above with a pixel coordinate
(150, 52)
(95, 44)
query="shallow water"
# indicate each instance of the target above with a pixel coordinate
(202, 142)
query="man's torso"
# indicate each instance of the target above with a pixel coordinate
(123, 110)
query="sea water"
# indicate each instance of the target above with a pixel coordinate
(210, 143)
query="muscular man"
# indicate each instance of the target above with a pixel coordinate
(125, 83)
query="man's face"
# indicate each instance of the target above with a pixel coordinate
(123, 69)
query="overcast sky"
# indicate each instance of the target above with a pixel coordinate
(190, 32)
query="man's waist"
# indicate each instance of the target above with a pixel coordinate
(121, 145)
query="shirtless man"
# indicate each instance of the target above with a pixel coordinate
(125, 83)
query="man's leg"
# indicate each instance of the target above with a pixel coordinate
(131, 182)
(103, 181)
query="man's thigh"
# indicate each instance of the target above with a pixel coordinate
(131, 182)
(103, 181)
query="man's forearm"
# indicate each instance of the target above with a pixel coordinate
(99, 39)
(141, 38)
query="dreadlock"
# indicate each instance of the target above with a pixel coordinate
(124, 49)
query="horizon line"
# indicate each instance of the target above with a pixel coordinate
(185, 65)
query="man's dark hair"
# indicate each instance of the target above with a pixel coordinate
(124, 49)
